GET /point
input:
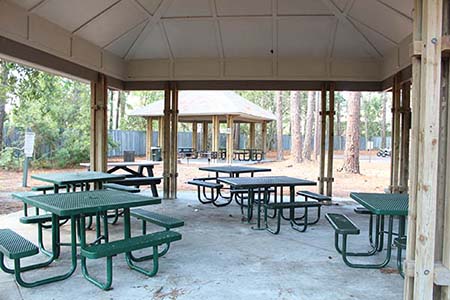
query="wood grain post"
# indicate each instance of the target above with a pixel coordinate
(205, 136)
(166, 143)
(230, 139)
(331, 113)
(395, 155)
(405, 136)
(149, 138)
(252, 136)
(264, 138)
(99, 126)
(194, 135)
(174, 142)
(323, 121)
(215, 134)
(161, 133)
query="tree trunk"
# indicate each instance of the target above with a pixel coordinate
(3, 98)
(309, 125)
(383, 120)
(296, 135)
(279, 114)
(317, 128)
(351, 154)
(338, 125)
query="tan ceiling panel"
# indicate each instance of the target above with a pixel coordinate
(150, 5)
(13, 20)
(113, 23)
(189, 8)
(307, 7)
(346, 44)
(247, 38)
(382, 44)
(71, 14)
(382, 19)
(152, 47)
(403, 6)
(192, 39)
(341, 4)
(243, 7)
(305, 36)
(122, 44)
(27, 4)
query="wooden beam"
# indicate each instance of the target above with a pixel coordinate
(161, 134)
(215, 134)
(395, 141)
(205, 136)
(331, 113)
(230, 139)
(166, 143)
(252, 136)
(323, 121)
(194, 135)
(264, 138)
(405, 115)
(174, 142)
(99, 126)
(429, 143)
(149, 138)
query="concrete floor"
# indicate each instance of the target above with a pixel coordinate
(220, 257)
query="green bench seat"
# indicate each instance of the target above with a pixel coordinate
(121, 187)
(204, 183)
(286, 205)
(315, 196)
(138, 181)
(42, 188)
(37, 219)
(342, 224)
(126, 246)
(14, 246)
(131, 244)
(157, 219)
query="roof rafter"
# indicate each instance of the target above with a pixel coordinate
(95, 17)
(152, 21)
(36, 6)
(219, 41)
(400, 13)
(343, 17)
(274, 49)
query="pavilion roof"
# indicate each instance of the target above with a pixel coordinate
(202, 105)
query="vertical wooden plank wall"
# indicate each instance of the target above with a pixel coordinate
(99, 126)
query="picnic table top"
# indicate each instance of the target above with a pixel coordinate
(143, 163)
(264, 181)
(383, 204)
(70, 204)
(234, 169)
(76, 177)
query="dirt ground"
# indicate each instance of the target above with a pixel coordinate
(374, 176)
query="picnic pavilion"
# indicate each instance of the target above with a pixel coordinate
(327, 45)
(207, 107)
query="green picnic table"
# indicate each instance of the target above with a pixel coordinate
(382, 205)
(69, 179)
(76, 206)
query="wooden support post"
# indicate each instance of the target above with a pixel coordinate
(161, 133)
(194, 136)
(205, 136)
(99, 126)
(174, 142)
(323, 121)
(264, 138)
(230, 139)
(149, 139)
(215, 134)
(416, 117)
(426, 194)
(252, 136)
(166, 143)
(395, 155)
(330, 141)
(405, 127)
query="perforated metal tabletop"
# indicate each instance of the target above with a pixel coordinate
(234, 169)
(264, 181)
(77, 177)
(383, 204)
(69, 204)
